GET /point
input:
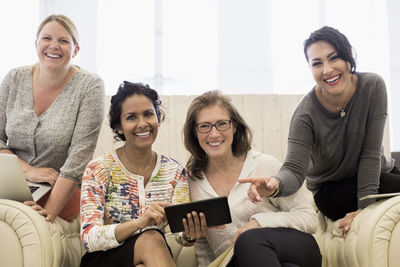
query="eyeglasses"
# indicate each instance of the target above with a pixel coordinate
(206, 127)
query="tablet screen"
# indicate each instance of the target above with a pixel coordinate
(216, 211)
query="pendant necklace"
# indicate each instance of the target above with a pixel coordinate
(341, 110)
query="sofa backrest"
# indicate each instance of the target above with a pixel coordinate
(267, 115)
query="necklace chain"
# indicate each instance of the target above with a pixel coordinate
(352, 87)
(342, 112)
(145, 172)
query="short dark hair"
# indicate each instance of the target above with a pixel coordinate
(125, 90)
(242, 138)
(338, 40)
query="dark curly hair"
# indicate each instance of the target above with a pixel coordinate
(125, 90)
(338, 40)
(242, 138)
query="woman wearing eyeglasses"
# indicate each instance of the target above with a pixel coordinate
(275, 232)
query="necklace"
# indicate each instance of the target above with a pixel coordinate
(342, 112)
(145, 172)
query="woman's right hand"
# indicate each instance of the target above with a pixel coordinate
(41, 175)
(260, 187)
(45, 213)
(195, 226)
(346, 222)
(154, 214)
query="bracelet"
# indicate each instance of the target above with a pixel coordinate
(275, 193)
(190, 240)
(186, 240)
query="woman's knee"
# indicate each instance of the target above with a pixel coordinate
(150, 240)
(249, 235)
(250, 239)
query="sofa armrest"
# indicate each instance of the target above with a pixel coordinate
(378, 242)
(28, 240)
(373, 239)
(25, 236)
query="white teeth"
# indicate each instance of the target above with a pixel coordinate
(53, 56)
(333, 79)
(143, 134)
(215, 143)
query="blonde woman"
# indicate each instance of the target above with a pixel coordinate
(50, 117)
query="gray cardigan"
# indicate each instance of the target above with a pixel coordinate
(65, 135)
(323, 147)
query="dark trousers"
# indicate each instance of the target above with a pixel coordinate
(337, 198)
(273, 247)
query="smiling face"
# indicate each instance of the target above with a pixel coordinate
(215, 143)
(139, 123)
(55, 46)
(330, 72)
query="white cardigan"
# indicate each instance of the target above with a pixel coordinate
(294, 211)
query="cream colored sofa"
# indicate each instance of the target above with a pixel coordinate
(373, 241)
(26, 239)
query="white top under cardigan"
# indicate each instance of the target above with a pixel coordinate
(294, 211)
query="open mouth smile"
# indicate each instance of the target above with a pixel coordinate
(215, 143)
(143, 134)
(52, 55)
(333, 80)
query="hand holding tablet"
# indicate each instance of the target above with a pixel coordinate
(216, 211)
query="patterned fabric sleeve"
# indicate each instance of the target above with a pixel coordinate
(181, 195)
(94, 233)
(181, 190)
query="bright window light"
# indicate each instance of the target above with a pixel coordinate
(189, 46)
(125, 41)
(19, 20)
(186, 50)
(290, 68)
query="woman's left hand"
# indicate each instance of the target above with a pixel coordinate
(250, 225)
(45, 213)
(195, 226)
(346, 221)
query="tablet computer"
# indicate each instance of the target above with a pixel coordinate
(216, 211)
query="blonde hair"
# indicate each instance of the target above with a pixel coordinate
(63, 21)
